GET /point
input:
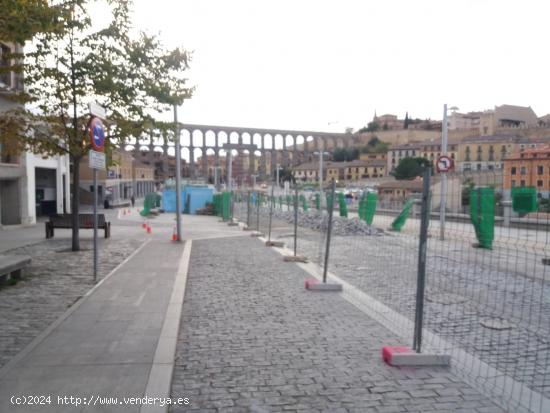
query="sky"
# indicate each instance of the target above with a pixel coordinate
(327, 65)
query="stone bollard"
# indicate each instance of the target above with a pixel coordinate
(507, 212)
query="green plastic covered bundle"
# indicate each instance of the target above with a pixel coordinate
(362, 204)
(524, 200)
(369, 207)
(149, 203)
(226, 205)
(342, 205)
(218, 205)
(398, 222)
(317, 202)
(482, 215)
(304, 203)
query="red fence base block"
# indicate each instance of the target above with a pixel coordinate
(404, 356)
(389, 351)
(309, 282)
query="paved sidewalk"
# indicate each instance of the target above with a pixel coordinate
(106, 346)
(253, 340)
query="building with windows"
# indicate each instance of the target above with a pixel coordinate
(30, 185)
(487, 153)
(364, 169)
(489, 122)
(528, 167)
(341, 171)
(373, 156)
(123, 178)
(398, 152)
(397, 191)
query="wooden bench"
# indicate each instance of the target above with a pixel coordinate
(85, 221)
(11, 266)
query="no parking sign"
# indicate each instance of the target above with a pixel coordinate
(97, 134)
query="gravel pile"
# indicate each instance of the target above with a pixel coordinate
(318, 222)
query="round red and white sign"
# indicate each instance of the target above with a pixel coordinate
(97, 134)
(444, 163)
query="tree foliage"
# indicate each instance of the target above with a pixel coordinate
(375, 145)
(409, 168)
(345, 154)
(20, 20)
(371, 127)
(71, 63)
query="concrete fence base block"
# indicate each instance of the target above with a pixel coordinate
(248, 229)
(233, 224)
(278, 244)
(405, 356)
(312, 284)
(257, 234)
(291, 258)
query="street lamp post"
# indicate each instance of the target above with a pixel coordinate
(178, 175)
(216, 177)
(443, 195)
(230, 171)
(321, 154)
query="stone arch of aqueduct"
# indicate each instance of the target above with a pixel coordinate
(283, 147)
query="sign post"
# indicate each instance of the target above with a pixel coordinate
(178, 174)
(97, 161)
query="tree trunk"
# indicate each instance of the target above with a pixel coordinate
(75, 203)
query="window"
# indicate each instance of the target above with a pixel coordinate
(540, 170)
(522, 170)
(478, 167)
(539, 183)
(522, 183)
(513, 183)
(513, 170)
(5, 78)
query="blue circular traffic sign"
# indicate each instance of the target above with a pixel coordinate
(97, 134)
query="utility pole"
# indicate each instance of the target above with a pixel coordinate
(443, 176)
(178, 174)
(230, 171)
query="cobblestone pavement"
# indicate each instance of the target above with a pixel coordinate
(55, 279)
(253, 340)
(467, 290)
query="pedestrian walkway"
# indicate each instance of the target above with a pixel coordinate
(252, 339)
(107, 345)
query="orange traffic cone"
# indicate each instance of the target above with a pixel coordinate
(174, 235)
(144, 225)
